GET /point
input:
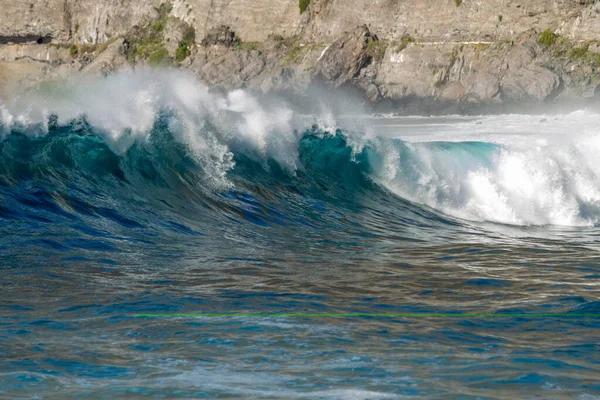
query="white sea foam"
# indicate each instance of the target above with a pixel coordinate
(535, 176)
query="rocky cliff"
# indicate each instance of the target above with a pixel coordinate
(468, 52)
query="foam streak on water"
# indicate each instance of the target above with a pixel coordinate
(147, 193)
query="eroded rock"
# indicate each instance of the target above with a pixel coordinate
(532, 82)
(344, 59)
(222, 35)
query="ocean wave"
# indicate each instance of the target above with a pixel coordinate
(163, 138)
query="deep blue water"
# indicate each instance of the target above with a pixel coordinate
(91, 236)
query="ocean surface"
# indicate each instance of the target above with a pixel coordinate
(146, 194)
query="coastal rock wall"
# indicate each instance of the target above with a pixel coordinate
(32, 20)
(93, 21)
(97, 21)
(65, 20)
(456, 20)
(251, 20)
(323, 20)
(458, 51)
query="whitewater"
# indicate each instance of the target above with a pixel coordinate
(149, 193)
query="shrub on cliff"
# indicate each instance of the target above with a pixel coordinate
(158, 57)
(303, 5)
(182, 53)
(547, 38)
(185, 45)
(376, 49)
(147, 42)
(578, 52)
(405, 40)
(569, 51)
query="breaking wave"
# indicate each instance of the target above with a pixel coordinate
(136, 145)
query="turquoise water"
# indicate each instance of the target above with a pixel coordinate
(232, 215)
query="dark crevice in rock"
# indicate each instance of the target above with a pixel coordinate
(221, 35)
(68, 19)
(25, 39)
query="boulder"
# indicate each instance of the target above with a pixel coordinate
(519, 56)
(532, 82)
(483, 86)
(344, 59)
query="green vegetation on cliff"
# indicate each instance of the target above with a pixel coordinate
(376, 49)
(186, 44)
(76, 50)
(182, 53)
(405, 40)
(303, 5)
(575, 58)
(158, 57)
(147, 42)
(547, 38)
(566, 50)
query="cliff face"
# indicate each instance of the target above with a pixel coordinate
(66, 20)
(97, 21)
(452, 20)
(449, 50)
(324, 20)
